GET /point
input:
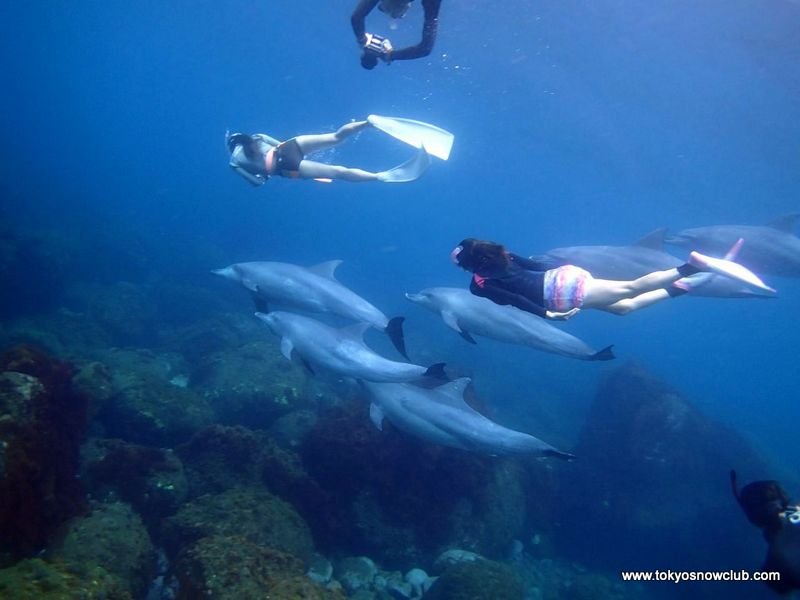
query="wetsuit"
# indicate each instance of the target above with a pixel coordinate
(520, 285)
(783, 555)
(429, 28)
(286, 159)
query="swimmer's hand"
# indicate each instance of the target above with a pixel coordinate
(561, 316)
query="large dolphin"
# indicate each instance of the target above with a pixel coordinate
(770, 249)
(314, 289)
(624, 263)
(341, 351)
(467, 314)
(441, 416)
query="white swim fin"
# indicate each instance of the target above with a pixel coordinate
(730, 269)
(409, 171)
(436, 140)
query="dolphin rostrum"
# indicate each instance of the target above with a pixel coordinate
(625, 263)
(441, 416)
(469, 314)
(341, 351)
(770, 249)
(314, 289)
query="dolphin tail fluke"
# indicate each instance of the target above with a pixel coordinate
(436, 371)
(606, 353)
(394, 330)
(409, 171)
(438, 141)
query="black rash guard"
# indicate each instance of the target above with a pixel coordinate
(429, 28)
(520, 285)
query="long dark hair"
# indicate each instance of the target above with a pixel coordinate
(483, 255)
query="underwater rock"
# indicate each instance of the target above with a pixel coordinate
(42, 423)
(401, 500)
(291, 430)
(150, 479)
(220, 457)
(113, 537)
(36, 579)
(252, 513)
(64, 334)
(478, 580)
(151, 404)
(552, 579)
(355, 572)
(454, 556)
(235, 568)
(651, 487)
(251, 385)
(320, 570)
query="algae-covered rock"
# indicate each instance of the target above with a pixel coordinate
(478, 580)
(36, 579)
(252, 513)
(113, 537)
(234, 568)
(42, 421)
(151, 403)
(251, 385)
(151, 479)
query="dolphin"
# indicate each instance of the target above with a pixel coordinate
(341, 351)
(624, 263)
(467, 314)
(314, 289)
(770, 249)
(441, 416)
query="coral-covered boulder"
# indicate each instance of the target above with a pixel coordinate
(113, 537)
(36, 579)
(233, 568)
(401, 501)
(650, 488)
(42, 423)
(150, 479)
(252, 513)
(477, 580)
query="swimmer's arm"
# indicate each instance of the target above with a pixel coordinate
(254, 180)
(429, 30)
(358, 18)
(269, 139)
(533, 265)
(503, 297)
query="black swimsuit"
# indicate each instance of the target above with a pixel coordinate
(288, 156)
(520, 285)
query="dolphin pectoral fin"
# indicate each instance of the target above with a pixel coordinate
(260, 302)
(465, 334)
(308, 366)
(326, 269)
(249, 284)
(394, 329)
(785, 223)
(376, 416)
(553, 453)
(286, 348)
(606, 353)
(449, 317)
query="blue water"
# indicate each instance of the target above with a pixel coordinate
(575, 123)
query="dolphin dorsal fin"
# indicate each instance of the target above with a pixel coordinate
(653, 240)
(452, 394)
(326, 269)
(786, 223)
(356, 331)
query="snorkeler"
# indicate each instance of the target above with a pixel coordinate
(258, 157)
(768, 507)
(559, 292)
(376, 47)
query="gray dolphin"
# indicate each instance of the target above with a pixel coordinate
(314, 289)
(441, 416)
(624, 263)
(770, 249)
(341, 351)
(467, 314)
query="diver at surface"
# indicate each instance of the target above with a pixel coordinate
(258, 157)
(559, 292)
(375, 47)
(768, 507)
